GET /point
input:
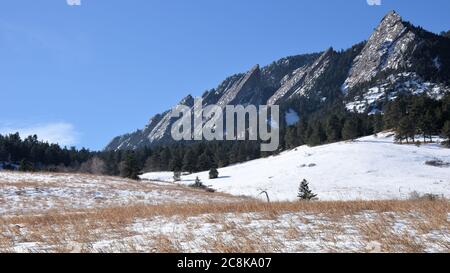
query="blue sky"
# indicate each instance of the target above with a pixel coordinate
(80, 75)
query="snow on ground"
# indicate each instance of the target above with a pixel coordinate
(39, 192)
(292, 232)
(370, 168)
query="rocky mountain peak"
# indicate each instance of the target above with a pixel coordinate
(187, 101)
(397, 58)
(384, 50)
(392, 16)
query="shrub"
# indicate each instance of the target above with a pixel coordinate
(213, 173)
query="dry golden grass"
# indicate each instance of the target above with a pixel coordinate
(62, 213)
(372, 221)
(26, 193)
(435, 212)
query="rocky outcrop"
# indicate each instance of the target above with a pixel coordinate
(397, 58)
(302, 80)
(253, 87)
(384, 50)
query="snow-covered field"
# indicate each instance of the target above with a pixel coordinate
(382, 226)
(370, 168)
(49, 212)
(24, 193)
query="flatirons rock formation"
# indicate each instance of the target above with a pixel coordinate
(397, 58)
(384, 50)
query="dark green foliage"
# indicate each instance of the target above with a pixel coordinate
(333, 128)
(130, 167)
(26, 166)
(406, 129)
(326, 125)
(213, 173)
(378, 123)
(176, 162)
(205, 161)
(32, 154)
(421, 115)
(446, 132)
(198, 184)
(351, 129)
(318, 135)
(190, 161)
(304, 193)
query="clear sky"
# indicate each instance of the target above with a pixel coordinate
(83, 74)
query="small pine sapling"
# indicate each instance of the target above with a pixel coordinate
(304, 193)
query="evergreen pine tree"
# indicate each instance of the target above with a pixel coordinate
(304, 193)
(406, 129)
(130, 167)
(378, 123)
(176, 161)
(350, 131)
(25, 166)
(213, 173)
(291, 139)
(318, 135)
(198, 184)
(165, 157)
(190, 161)
(333, 129)
(446, 132)
(204, 162)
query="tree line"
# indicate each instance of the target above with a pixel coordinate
(409, 116)
(413, 116)
(32, 154)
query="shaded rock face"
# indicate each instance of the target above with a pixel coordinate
(397, 58)
(251, 88)
(245, 91)
(303, 81)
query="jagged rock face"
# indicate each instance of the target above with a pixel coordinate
(276, 74)
(384, 50)
(302, 80)
(397, 58)
(253, 87)
(245, 91)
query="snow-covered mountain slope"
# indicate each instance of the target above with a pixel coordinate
(398, 58)
(370, 168)
(406, 83)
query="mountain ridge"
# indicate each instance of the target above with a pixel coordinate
(363, 76)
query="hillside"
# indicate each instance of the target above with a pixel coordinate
(29, 193)
(370, 168)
